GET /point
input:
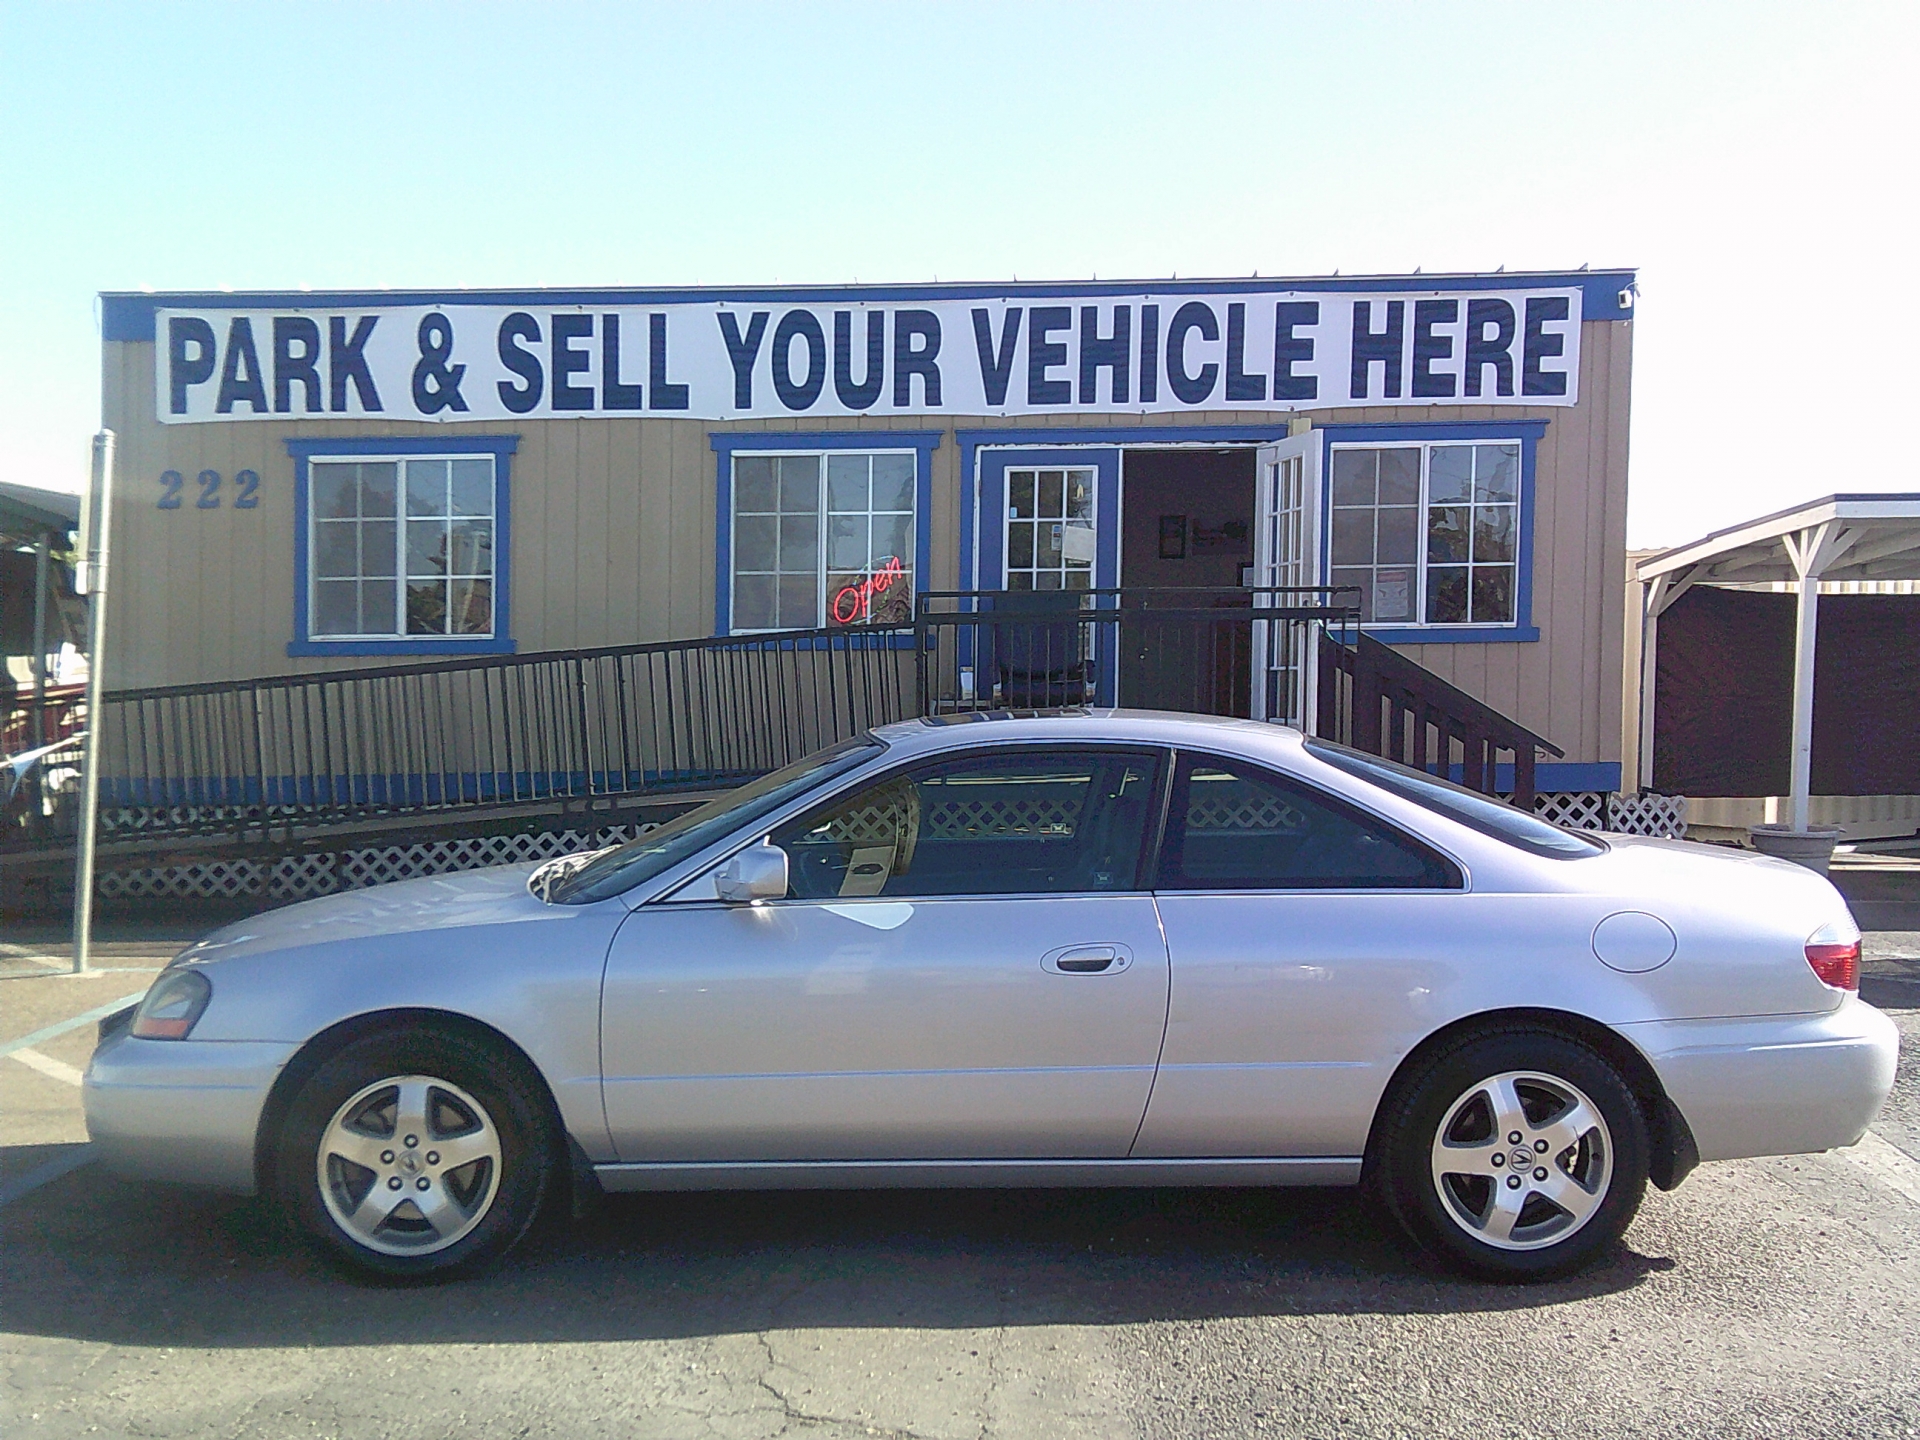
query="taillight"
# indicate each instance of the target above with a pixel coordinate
(1834, 953)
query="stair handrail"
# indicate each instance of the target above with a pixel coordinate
(1378, 671)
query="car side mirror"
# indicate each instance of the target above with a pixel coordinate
(757, 873)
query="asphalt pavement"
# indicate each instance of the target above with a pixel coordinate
(1770, 1298)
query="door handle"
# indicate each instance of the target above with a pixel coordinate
(1087, 960)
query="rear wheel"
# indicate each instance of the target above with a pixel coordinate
(415, 1153)
(1516, 1155)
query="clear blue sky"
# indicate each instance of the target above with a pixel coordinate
(1756, 161)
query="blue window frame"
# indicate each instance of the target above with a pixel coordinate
(985, 456)
(387, 612)
(779, 528)
(1041, 497)
(1444, 545)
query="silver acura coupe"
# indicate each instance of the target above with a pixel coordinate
(1100, 949)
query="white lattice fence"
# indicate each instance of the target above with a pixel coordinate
(1663, 816)
(1576, 809)
(297, 877)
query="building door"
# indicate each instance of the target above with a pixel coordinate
(1186, 540)
(1049, 531)
(1286, 554)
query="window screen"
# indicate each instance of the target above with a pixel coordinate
(1234, 827)
(1008, 823)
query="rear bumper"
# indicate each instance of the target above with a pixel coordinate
(180, 1110)
(1780, 1085)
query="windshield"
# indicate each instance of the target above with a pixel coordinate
(1482, 812)
(625, 866)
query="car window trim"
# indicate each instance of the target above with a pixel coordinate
(1338, 801)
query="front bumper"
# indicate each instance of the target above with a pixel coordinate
(181, 1110)
(1775, 1085)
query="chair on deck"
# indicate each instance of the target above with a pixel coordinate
(1041, 660)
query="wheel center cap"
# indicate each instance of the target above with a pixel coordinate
(410, 1162)
(1521, 1160)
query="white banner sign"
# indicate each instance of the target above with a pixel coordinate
(1276, 351)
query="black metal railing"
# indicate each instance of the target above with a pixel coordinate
(489, 732)
(1377, 700)
(256, 759)
(1212, 651)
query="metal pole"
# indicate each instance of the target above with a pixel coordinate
(1806, 619)
(40, 643)
(100, 515)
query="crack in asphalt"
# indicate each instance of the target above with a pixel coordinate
(791, 1414)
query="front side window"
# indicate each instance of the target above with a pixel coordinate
(1429, 532)
(401, 547)
(615, 871)
(1010, 823)
(822, 540)
(1232, 826)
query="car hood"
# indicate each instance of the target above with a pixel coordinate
(493, 896)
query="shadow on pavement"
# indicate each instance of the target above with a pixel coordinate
(92, 1258)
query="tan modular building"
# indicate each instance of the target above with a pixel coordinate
(313, 482)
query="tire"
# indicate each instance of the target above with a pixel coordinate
(1447, 1157)
(458, 1194)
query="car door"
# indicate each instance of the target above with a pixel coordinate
(1305, 937)
(968, 965)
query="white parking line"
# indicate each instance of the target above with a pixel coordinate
(1887, 1163)
(34, 957)
(47, 1065)
(88, 1017)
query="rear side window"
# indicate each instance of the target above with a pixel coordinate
(1016, 822)
(1233, 826)
(1469, 807)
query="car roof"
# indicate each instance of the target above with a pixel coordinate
(1154, 727)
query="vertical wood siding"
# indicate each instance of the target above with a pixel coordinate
(613, 537)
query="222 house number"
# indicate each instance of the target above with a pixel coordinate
(246, 490)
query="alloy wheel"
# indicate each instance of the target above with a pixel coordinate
(409, 1165)
(1522, 1160)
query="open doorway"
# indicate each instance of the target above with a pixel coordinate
(1186, 517)
(1187, 521)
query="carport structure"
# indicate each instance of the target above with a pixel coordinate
(1836, 539)
(34, 524)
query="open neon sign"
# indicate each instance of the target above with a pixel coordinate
(855, 602)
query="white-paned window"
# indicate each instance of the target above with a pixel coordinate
(401, 548)
(822, 540)
(1050, 534)
(1429, 532)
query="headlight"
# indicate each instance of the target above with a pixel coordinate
(173, 1005)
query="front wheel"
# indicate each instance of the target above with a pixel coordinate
(1517, 1155)
(415, 1153)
